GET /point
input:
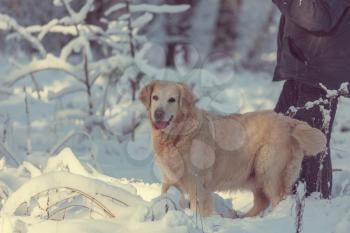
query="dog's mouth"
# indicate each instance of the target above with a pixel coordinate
(162, 124)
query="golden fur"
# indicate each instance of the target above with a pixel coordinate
(201, 152)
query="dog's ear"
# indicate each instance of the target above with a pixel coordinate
(187, 98)
(145, 94)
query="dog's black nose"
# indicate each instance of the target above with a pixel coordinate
(159, 115)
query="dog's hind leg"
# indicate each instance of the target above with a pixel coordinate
(269, 168)
(260, 203)
(274, 188)
(293, 167)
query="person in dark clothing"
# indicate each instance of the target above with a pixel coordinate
(313, 49)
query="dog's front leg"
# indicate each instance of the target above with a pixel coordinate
(165, 187)
(201, 201)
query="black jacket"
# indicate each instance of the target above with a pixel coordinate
(314, 41)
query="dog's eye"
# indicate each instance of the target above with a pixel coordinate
(171, 100)
(155, 97)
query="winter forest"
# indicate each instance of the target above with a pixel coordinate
(76, 152)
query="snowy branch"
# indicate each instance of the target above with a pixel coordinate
(330, 94)
(88, 187)
(12, 24)
(165, 8)
(76, 18)
(50, 62)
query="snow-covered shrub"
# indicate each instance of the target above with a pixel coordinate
(99, 57)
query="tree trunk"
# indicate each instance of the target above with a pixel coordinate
(225, 32)
(177, 28)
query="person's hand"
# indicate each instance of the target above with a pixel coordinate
(345, 89)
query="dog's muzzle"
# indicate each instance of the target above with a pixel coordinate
(162, 124)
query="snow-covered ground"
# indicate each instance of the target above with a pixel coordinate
(99, 184)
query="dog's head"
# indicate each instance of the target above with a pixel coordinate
(167, 102)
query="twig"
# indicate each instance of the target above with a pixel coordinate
(88, 85)
(75, 195)
(63, 200)
(299, 207)
(197, 213)
(47, 205)
(29, 136)
(5, 131)
(98, 203)
(5, 151)
(93, 199)
(130, 30)
(119, 201)
(59, 146)
(337, 170)
(335, 94)
(71, 206)
(36, 85)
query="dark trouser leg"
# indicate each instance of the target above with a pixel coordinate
(297, 94)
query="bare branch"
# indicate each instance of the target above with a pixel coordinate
(29, 127)
(6, 152)
(130, 30)
(88, 85)
(71, 206)
(38, 88)
(60, 145)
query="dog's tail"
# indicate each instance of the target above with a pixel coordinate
(311, 140)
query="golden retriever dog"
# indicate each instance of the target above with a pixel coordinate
(200, 152)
